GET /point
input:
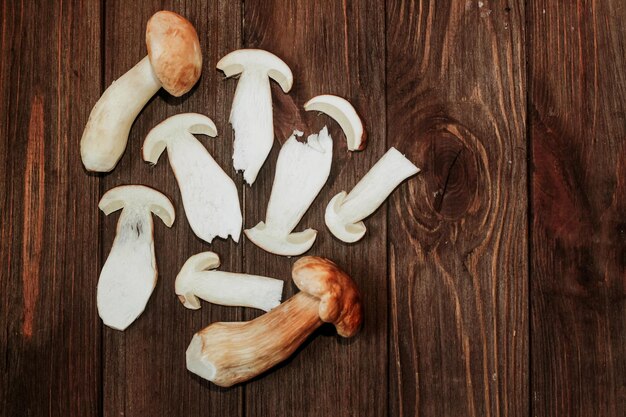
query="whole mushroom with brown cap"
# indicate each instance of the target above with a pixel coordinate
(174, 62)
(234, 352)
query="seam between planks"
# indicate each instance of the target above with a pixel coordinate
(529, 203)
(242, 263)
(387, 204)
(100, 191)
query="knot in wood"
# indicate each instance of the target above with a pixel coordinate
(450, 174)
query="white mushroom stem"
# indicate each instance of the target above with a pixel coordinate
(106, 133)
(251, 113)
(345, 212)
(301, 171)
(209, 195)
(130, 273)
(197, 280)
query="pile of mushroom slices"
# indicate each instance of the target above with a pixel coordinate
(229, 353)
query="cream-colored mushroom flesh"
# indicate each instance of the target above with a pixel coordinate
(251, 112)
(345, 212)
(343, 113)
(130, 273)
(301, 171)
(210, 197)
(174, 61)
(198, 279)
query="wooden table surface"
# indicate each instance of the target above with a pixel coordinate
(494, 282)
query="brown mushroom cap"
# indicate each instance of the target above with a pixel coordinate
(174, 51)
(340, 302)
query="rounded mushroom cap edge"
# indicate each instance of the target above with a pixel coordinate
(174, 51)
(138, 195)
(340, 301)
(236, 61)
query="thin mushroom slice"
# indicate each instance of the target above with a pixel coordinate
(209, 195)
(251, 112)
(301, 171)
(174, 62)
(198, 279)
(342, 112)
(345, 212)
(230, 353)
(129, 273)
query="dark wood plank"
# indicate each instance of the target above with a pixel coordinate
(338, 49)
(458, 233)
(144, 367)
(577, 81)
(50, 337)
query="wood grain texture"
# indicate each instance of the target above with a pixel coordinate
(461, 319)
(144, 367)
(50, 335)
(457, 234)
(578, 258)
(332, 48)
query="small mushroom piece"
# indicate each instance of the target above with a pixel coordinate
(345, 212)
(301, 171)
(230, 353)
(251, 112)
(210, 196)
(198, 279)
(343, 113)
(174, 62)
(130, 273)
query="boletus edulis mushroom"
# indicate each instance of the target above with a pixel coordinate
(174, 62)
(234, 352)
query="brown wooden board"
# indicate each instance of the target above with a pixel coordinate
(332, 48)
(578, 247)
(457, 234)
(144, 367)
(49, 332)
(485, 294)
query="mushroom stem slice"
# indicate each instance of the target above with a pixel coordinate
(210, 197)
(230, 353)
(345, 212)
(129, 273)
(197, 279)
(251, 112)
(174, 62)
(301, 171)
(343, 113)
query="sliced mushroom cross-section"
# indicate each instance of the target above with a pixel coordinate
(199, 279)
(210, 197)
(251, 112)
(345, 212)
(301, 171)
(130, 272)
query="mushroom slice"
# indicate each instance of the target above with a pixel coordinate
(251, 112)
(174, 62)
(343, 113)
(230, 353)
(301, 171)
(198, 279)
(130, 273)
(209, 195)
(345, 212)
